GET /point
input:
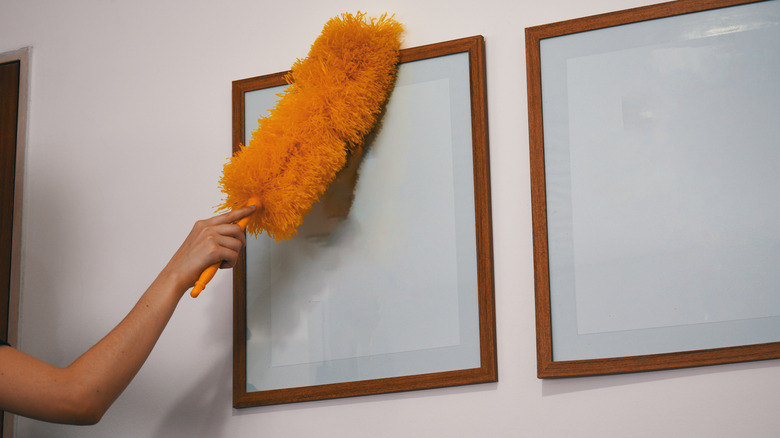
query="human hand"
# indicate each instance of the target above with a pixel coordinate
(214, 240)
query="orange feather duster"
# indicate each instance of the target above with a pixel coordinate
(334, 99)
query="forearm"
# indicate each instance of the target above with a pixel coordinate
(104, 371)
(82, 392)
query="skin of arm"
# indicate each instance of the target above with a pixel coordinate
(83, 391)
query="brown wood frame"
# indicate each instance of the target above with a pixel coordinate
(488, 371)
(15, 125)
(547, 366)
(9, 110)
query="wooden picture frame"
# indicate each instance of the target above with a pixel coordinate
(643, 259)
(288, 365)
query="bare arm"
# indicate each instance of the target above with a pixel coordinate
(82, 392)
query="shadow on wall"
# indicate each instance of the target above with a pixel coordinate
(553, 387)
(204, 408)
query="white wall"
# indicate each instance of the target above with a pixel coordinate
(129, 128)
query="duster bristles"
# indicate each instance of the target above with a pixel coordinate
(334, 99)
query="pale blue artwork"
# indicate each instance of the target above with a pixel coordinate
(381, 279)
(662, 153)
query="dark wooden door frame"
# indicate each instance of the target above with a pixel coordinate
(14, 96)
(9, 117)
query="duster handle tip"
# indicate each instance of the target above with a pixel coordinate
(204, 279)
(209, 272)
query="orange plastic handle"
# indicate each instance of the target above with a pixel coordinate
(209, 272)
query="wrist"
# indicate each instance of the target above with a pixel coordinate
(173, 281)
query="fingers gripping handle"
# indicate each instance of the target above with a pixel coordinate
(209, 272)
